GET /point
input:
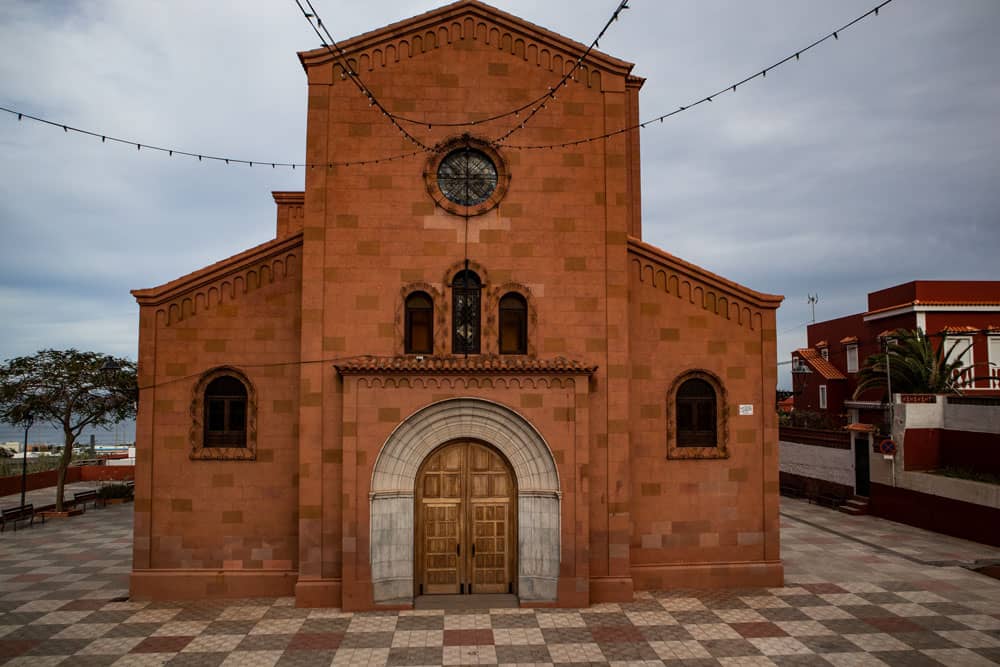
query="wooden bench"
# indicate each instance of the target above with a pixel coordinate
(81, 498)
(792, 488)
(19, 513)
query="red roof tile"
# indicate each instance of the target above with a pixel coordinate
(820, 365)
(955, 328)
(453, 365)
(849, 339)
(822, 343)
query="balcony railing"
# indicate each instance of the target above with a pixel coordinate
(978, 377)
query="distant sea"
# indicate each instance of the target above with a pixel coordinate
(46, 433)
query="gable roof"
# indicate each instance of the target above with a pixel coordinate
(816, 361)
(461, 20)
(205, 288)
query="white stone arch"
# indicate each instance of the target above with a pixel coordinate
(394, 477)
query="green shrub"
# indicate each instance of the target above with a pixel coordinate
(109, 491)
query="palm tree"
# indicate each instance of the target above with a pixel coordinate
(915, 365)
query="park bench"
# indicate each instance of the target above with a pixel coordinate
(19, 513)
(793, 488)
(81, 498)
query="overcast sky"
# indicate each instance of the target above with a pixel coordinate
(875, 160)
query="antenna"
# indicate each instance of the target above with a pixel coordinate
(813, 299)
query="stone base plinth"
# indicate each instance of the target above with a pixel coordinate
(313, 593)
(757, 574)
(201, 584)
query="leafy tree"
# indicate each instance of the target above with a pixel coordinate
(68, 389)
(915, 364)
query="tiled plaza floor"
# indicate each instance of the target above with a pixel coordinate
(860, 591)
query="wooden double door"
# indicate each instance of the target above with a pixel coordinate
(466, 524)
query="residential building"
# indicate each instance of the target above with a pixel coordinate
(964, 314)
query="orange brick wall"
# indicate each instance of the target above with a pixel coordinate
(560, 232)
(363, 234)
(212, 513)
(709, 510)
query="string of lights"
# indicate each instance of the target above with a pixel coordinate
(423, 148)
(202, 156)
(348, 71)
(543, 101)
(731, 88)
(396, 118)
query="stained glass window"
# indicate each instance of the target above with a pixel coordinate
(467, 177)
(465, 292)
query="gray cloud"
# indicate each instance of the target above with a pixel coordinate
(872, 161)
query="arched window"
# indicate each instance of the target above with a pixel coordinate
(465, 291)
(419, 335)
(225, 413)
(513, 324)
(697, 409)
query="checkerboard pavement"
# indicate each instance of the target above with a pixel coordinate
(846, 602)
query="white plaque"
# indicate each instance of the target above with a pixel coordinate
(746, 410)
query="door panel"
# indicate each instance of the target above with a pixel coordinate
(465, 521)
(490, 572)
(442, 532)
(862, 467)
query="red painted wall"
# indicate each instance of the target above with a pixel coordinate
(942, 515)
(36, 480)
(43, 480)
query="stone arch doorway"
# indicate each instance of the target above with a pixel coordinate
(392, 499)
(466, 527)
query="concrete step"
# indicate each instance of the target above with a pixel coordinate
(856, 506)
(474, 601)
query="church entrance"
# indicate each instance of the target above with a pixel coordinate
(465, 524)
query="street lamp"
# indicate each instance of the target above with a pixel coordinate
(29, 419)
(109, 369)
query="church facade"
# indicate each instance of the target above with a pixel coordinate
(458, 371)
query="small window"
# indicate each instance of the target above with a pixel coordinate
(513, 324)
(225, 413)
(959, 348)
(419, 336)
(465, 288)
(852, 358)
(825, 353)
(696, 414)
(822, 397)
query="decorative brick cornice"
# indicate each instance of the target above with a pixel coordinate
(661, 270)
(205, 288)
(455, 383)
(455, 365)
(467, 19)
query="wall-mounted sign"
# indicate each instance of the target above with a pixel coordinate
(918, 398)
(746, 410)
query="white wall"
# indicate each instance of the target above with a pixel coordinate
(826, 463)
(974, 418)
(949, 416)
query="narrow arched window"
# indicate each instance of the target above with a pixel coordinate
(225, 413)
(419, 336)
(465, 291)
(513, 324)
(697, 425)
